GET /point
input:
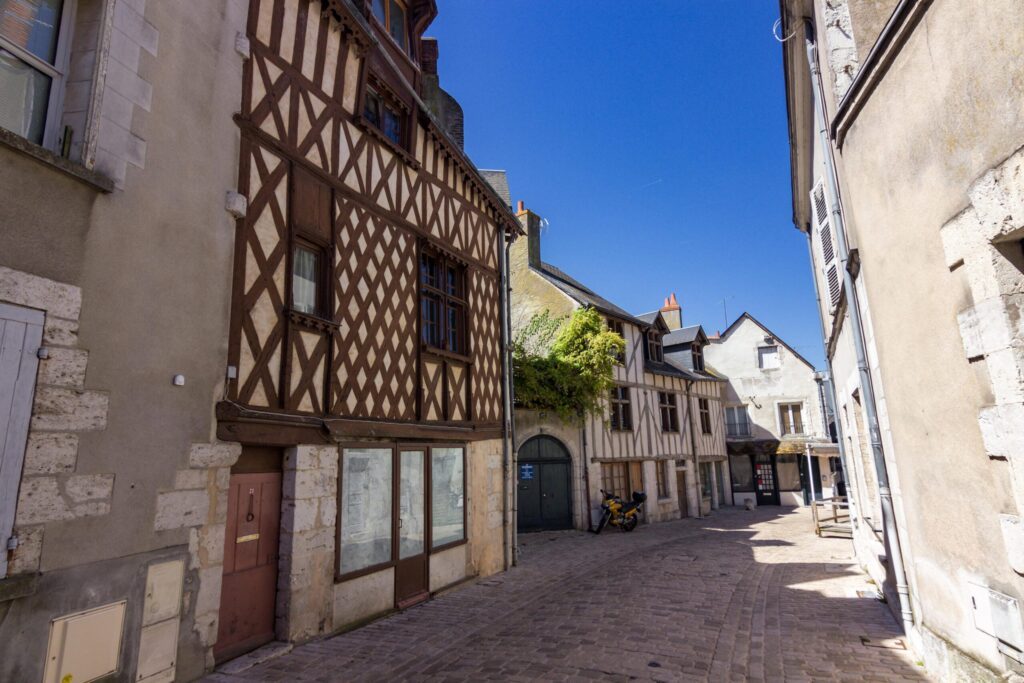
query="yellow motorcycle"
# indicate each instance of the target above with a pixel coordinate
(618, 512)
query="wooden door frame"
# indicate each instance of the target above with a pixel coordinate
(396, 448)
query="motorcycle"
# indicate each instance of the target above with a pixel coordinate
(618, 512)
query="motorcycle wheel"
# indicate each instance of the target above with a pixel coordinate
(603, 523)
(629, 524)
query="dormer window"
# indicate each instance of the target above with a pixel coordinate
(698, 357)
(384, 116)
(391, 15)
(654, 348)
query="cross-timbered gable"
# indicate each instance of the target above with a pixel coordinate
(365, 205)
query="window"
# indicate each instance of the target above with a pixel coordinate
(788, 472)
(307, 276)
(790, 418)
(31, 67)
(385, 116)
(622, 478)
(426, 487)
(616, 327)
(720, 481)
(768, 357)
(736, 422)
(742, 473)
(698, 357)
(391, 15)
(705, 415)
(365, 533)
(661, 473)
(669, 414)
(443, 303)
(622, 412)
(447, 496)
(705, 480)
(654, 348)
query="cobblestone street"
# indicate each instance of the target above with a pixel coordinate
(737, 596)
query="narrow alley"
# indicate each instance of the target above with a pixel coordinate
(738, 596)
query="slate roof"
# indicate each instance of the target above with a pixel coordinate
(499, 181)
(683, 335)
(649, 318)
(578, 291)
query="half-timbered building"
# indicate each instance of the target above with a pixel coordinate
(366, 328)
(663, 432)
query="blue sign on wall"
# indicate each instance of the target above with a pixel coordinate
(525, 472)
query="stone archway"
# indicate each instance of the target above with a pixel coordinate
(544, 485)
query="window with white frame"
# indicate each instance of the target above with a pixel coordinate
(791, 418)
(736, 421)
(33, 58)
(768, 357)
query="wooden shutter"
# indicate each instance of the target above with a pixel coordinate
(21, 333)
(826, 242)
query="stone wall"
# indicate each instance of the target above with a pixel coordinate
(52, 489)
(986, 241)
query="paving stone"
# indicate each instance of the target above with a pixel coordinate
(738, 596)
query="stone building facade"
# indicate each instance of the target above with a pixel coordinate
(664, 432)
(906, 132)
(182, 388)
(777, 425)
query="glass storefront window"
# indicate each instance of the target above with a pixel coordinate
(742, 473)
(448, 496)
(788, 472)
(366, 484)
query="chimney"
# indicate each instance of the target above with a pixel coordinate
(443, 106)
(531, 224)
(672, 312)
(428, 55)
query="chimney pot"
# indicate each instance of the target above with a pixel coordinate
(520, 206)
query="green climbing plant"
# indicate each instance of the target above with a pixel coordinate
(564, 364)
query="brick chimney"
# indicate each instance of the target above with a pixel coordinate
(672, 312)
(445, 108)
(531, 225)
(428, 55)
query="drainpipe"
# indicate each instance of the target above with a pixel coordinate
(507, 428)
(857, 332)
(693, 447)
(827, 388)
(586, 476)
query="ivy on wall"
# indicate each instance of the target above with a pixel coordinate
(565, 364)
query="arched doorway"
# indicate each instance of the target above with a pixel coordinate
(544, 490)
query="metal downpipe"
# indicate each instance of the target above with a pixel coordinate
(829, 395)
(507, 539)
(857, 332)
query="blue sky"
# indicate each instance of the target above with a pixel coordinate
(652, 137)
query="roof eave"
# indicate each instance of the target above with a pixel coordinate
(799, 107)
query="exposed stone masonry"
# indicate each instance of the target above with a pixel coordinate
(51, 488)
(986, 241)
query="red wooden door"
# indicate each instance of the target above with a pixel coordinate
(249, 589)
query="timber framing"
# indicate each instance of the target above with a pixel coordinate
(356, 366)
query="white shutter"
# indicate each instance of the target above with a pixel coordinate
(826, 242)
(21, 333)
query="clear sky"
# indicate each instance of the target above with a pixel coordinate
(652, 137)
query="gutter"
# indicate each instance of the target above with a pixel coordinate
(890, 41)
(857, 332)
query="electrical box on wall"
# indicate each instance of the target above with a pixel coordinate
(998, 615)
(86, 645)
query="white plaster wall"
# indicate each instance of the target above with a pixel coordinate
(735, 356)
